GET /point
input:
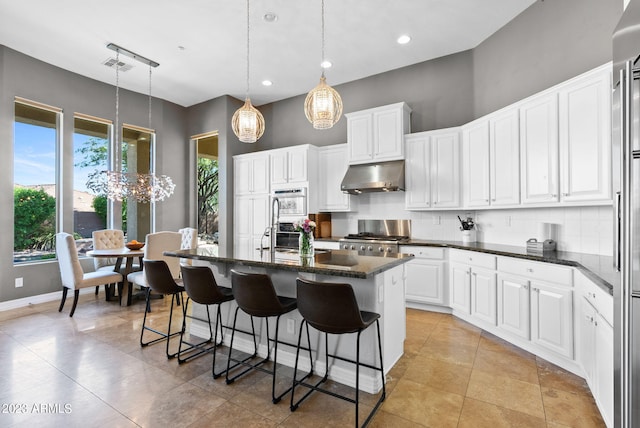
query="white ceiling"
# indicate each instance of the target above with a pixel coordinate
(360, 40)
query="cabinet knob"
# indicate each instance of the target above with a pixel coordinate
(526, 287)
(529, 270)
(565, 194)
(487, 200)
(554, 195)
(494, 199)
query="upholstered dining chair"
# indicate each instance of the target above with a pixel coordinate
(106, 239)
(189, 241)
(71, 273)
(155, 245)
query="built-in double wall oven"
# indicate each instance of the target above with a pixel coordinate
(292, 203)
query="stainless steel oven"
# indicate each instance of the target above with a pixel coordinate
(286, 237)
(292, 202)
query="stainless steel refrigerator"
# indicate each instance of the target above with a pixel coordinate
(626, 182)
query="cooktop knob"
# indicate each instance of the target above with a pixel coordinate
(381, 249)
(353, 247)
(362, 247)
(369, 248)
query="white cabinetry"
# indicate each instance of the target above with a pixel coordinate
(596, 343)
(251, 218)
(539, 145)
(513, 305)
(565, 141)
(291, 164)
(425, 276)
(585, 135)
(432, 170)
(475, 147)
(473, 286)
(377, 134)
(551, 303)
(251, 202)
(251, 173)
(332, 166)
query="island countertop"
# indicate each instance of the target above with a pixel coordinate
(343, 263)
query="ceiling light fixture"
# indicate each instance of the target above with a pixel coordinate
(120, 185)
(323, 105)
(326, 64)
(267, 83)
(270, 17)
(404, 39)
(247, 122)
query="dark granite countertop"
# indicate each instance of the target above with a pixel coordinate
(597, 268)
(335, 262)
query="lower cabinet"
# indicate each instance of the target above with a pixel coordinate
(425, 276)
(552, 317)
(595, 346)
(513, 305)
(483, 295)
(460, 287)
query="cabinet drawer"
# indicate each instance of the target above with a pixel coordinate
(487, 261)
(423, 252)
(601, 300)
(536, 270)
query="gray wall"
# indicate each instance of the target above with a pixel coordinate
(439, 92)
(29, 78)
(548, 43)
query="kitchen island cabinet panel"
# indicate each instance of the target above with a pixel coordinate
(552, 317)
(513, 305)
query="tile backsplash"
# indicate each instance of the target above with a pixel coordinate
(578, 229)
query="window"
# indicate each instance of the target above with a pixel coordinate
(90, 160)
(208, 187)
(35, 175)
(137, 157)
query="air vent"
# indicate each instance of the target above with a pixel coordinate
(111, 63)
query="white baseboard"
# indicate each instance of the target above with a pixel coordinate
(39, 298)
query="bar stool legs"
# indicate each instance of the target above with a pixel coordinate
(163, 336)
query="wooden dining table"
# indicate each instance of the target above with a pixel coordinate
(121, 254)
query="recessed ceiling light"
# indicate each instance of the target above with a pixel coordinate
(267, 83)
(270, 17)
(404, 39)
(326, 64)
(181, 48)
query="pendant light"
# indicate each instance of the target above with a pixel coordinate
(323, 105)
(143, 188)
(247, 122)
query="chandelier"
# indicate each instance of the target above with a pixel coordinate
(119, 186)
(323, 105)
(247, 122)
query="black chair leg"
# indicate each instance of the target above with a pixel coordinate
(243, 361)
(64, 298)
(200, 346)
(76, 293)
(97, 289)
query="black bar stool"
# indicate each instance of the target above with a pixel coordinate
(202, 288)
(332, 308)
(160, 280)
(256, 296)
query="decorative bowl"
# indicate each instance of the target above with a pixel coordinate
(135, 246)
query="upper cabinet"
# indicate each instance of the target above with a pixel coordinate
(377, 134)
(585, 137)
(251, 173)
(333, 164)
(565, 138)
(539, 146)
(491, 160)
(432, 169)
(291, 164)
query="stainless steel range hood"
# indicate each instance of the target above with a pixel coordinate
(376, 177)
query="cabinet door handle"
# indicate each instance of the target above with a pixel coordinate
(565, 194)
(530, 270)
(494, 199)
(486, 200)
(526, 287)
(554, 195)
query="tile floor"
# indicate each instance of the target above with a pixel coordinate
(89, 371)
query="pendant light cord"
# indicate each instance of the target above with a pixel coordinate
(117, 99)
(247, 95)
(149, 99)
(322, 59)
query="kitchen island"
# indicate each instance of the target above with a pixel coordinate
(378, 284)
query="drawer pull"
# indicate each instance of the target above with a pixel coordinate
(529, 270)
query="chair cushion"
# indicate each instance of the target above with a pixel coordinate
(92, 279)
(137, 278)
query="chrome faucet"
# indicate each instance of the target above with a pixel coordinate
(275, 219)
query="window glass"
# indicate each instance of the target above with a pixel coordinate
(136, 159)
(34, 183)
(208, 182)
(90, 160)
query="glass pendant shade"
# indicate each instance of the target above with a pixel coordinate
(248, 123)
(323, 105)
